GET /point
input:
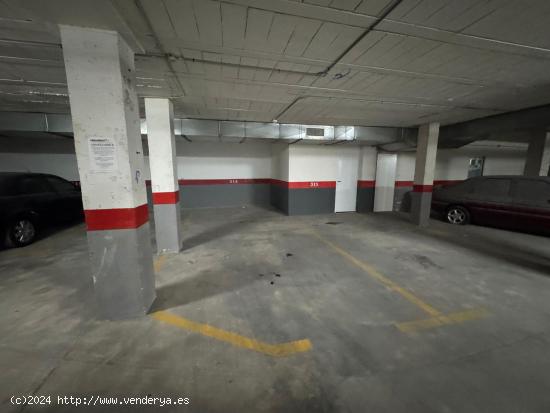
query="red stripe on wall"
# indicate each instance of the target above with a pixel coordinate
(304, 185)
(278, 182)
(290, 185)
(360, 183)
(366, 184)
(423, 188)
(166, 197)
(224, 181)
(312, 184)
(116, 218)
(400, 184)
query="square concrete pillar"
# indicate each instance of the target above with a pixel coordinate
(105, 115)
(537, 162)
(426, 152)
(164, 174)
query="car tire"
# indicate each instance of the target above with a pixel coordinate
(457, 215)
(20, 232)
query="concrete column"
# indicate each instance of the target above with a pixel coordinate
(105, 115)
(537, 162)
(164, 175)
(426, 151)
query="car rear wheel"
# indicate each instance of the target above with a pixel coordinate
(20, 232)
(458, 215)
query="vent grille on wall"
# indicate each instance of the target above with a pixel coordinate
(315, 132)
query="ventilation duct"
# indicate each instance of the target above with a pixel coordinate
(232, 131)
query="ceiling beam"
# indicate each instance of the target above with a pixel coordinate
(531, 118)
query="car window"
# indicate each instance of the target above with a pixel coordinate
(32, 185)
(492, 187)
(60, 185)
(532, 191)
(462, 187)
(7, 186)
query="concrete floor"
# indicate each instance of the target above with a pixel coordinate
(343, 289)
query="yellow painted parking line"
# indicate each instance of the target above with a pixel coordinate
(374, 273)
(275, 350)
(453, 318)
(159, 262)
(438, 319)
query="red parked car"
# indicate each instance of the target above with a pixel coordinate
(515, 202)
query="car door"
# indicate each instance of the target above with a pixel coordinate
(68, 202)
(36, 196)
(490, 201)
(531, 199)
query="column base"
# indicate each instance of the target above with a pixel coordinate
(421, 206)
(168, 228)
(122, 272)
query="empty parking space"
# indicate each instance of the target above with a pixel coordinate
(334, 206)
(294, 313)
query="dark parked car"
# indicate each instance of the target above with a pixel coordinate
(517, 202)
(29, 201)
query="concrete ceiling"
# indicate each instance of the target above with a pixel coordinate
(427, 60)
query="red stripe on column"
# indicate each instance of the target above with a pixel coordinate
(366, 184)
(422, 188)
(166, 197)
(117, 218)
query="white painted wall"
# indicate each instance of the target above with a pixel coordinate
(63, 165)
(215, 160)
(279, 161)
(452, 164)
(312, 163)
(196, 160)
(503, 161)
(41, 154)
(405, 166)
(385, 182)
(367, 170)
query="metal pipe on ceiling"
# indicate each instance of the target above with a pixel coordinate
(143, 14)
(382, 101)
(30, 43)
(228, 64)
(324, 72)
(378, 20)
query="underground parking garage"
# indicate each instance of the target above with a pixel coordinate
(274, 206)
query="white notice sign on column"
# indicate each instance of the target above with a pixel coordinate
(102, 153)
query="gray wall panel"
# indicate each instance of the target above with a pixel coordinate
(365, 199)
(402, 198)
(311, 201)
(279, 198)
(203, 196)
